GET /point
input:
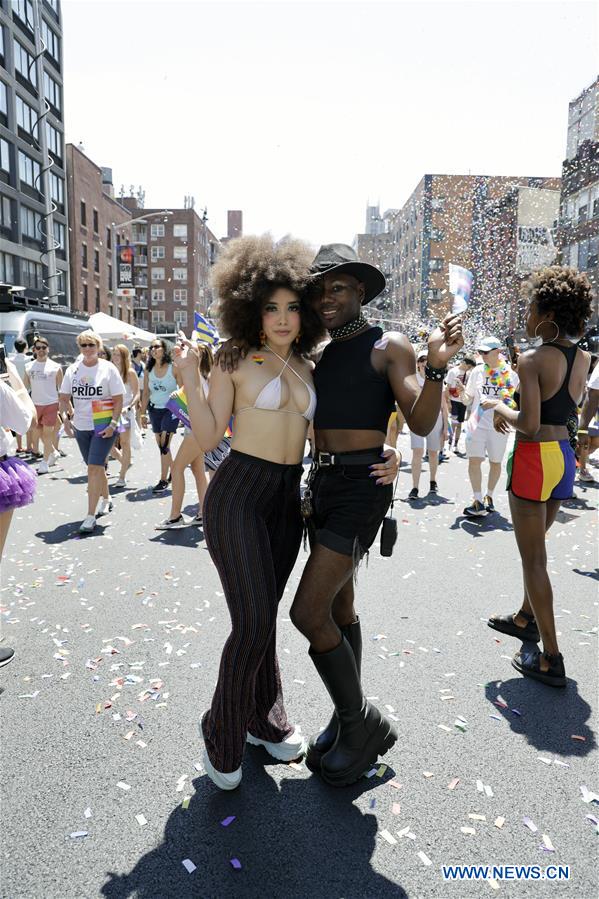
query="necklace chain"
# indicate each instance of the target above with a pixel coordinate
(349, 328)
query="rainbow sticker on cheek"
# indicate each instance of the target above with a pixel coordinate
(258, 359)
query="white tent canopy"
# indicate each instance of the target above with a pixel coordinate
(112, 330)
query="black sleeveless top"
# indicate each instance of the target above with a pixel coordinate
(558, 408)
(350, 394)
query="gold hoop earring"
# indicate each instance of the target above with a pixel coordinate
(262, 336)
(550, 321)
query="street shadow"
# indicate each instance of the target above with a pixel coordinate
(428, 499)
(70, 531)
(295, 839)
(592, 574)
(188, 537)
(78, 479)
(476, 527)
(145, 493)
(578, 502)
(549, 716)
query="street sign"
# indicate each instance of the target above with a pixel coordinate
(124, 267)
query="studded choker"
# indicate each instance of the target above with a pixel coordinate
(350, 328)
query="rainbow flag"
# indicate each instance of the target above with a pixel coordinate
(177, 404)
(102, 414)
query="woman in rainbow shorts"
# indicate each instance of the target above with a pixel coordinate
(542, 466)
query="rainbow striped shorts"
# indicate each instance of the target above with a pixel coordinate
(542, 471)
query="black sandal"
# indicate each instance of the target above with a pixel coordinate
(505, 624)
(529, 664)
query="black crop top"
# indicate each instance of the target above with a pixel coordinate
(558, 408)
(350, 394)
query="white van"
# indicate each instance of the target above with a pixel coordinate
(59, 328)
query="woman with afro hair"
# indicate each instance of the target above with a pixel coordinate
(252, 518)
(542, 465)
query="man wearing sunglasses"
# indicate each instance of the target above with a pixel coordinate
(492, 379)
(43, 378)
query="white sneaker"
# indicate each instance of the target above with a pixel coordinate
(87, 525)
(293, 747)
(104, 506)
(172, 524)
(52, 459)
(42, 468)
(224, 781)
(583, 475)
(121, 483)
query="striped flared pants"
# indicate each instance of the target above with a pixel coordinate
(253, 531)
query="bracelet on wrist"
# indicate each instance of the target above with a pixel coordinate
(434, 374)
(583, 431)
(113, 423)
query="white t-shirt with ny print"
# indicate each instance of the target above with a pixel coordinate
(86, 383)
(480, 387)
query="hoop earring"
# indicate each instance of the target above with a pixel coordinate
(262, 337)
(550, 320)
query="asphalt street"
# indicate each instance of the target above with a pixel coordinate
(117, 640)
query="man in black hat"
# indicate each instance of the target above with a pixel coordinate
(359, 377)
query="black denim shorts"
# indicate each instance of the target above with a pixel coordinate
(348, 507)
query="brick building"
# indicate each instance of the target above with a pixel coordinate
(31, 135)
(443, 222)
(96, 221)
(173, 256)
(578, 232)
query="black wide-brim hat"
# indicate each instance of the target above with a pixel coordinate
(339, 257)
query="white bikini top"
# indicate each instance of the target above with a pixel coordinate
(270, 396)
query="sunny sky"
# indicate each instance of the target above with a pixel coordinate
(298, 113)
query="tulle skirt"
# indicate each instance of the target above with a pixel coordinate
(18, 483)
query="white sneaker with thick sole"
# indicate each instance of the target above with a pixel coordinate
(121, 483)
(87, 525)
(293, 747)
(228, 781)
(52, 459)
(43, 468)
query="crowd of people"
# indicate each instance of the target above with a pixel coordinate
(303, 363)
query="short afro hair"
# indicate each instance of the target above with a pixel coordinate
(566, 293)
(247, 273)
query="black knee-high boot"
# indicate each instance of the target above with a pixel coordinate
(363, 733)
(317, 746)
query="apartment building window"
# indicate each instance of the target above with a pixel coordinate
(26, 117)
(4, 155)
(57, 189)
(23, 10)
(436, 264)
(157, 252)
(52, 91)
(54, 140)
(438, 204)
(96, 223)
(180, 231)
(593, 257)
(24, 64)
(109, 238)
(158, 315)
(5, 214)
(180, 296)
(31, 274)
(29, 170)
(85, 298)
(30, 223)
(97, 299)
(7, 268)
(157, 295)
(83, 213)
(180, 316)
(180, 254)
(53, 4)
(180, 274)
(2, 42)
(157, 274)
(111, 309)
(109, 269)
(435, 294)
(583, 214)
(156, 231)
(51, 40)
(97, 262)
(59, 236)
(3, 101)
(83, 255)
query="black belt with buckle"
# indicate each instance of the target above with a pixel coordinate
(328, 460)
